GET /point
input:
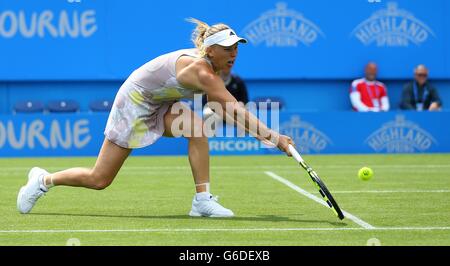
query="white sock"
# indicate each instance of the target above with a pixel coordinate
(204, 184)
(203, 195)
(51, 182)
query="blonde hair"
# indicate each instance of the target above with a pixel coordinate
(203, 31)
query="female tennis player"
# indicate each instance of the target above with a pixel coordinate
(147, 107)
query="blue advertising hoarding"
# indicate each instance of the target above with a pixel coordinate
(314, 133)
(320, 39)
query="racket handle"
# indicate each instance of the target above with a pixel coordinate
(295, 154)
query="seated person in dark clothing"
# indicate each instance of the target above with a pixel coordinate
(419, 94)
(235, 85)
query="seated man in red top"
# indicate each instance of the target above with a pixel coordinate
(368, 94)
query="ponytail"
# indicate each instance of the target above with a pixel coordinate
(203, 31)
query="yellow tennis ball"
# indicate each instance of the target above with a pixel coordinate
(365, 173)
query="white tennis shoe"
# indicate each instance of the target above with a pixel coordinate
(204, 204)
(32, 191)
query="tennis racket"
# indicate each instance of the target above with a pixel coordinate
(318, 182)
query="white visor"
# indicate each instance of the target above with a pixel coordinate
(223, 38)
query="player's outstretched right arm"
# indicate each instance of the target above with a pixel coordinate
(200, 75)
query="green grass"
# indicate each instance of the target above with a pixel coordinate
(155, 193)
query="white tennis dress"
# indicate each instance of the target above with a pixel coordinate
(137, 115)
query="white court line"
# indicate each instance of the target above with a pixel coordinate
(318, 200)
(326, 166)
(268, 166)
(157, 172)
(174, 230)
(389, 191)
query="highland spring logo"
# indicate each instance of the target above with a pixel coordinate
(392, 27)
(282, 27)
(400, 136)
(305, 135)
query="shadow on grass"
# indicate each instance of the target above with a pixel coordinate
(259, 218)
